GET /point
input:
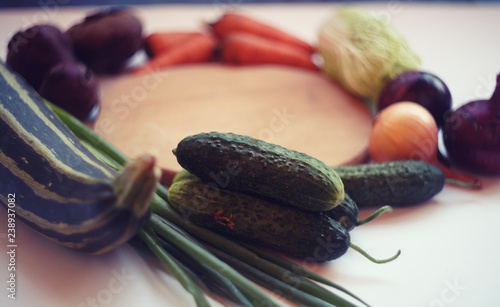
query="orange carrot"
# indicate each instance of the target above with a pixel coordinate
(232, 22)
(195, 50)
(160, 42)
(249, 49)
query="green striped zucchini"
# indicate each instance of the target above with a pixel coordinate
(61, 189)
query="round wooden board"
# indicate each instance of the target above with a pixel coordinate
(297, 109)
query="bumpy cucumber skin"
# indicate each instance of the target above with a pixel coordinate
(245, 164)
(305, 235)
(395, 183)
(346, 213)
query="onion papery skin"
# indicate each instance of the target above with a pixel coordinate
(403, 131)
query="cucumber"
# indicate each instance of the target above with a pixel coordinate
(394, 183)
(245, 164)
(346, 213)
(306, 235)
(52, 183)
(183, 174)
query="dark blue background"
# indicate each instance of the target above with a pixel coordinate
(35, 3)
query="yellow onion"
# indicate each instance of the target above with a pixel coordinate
(404, 131)
(407, 131)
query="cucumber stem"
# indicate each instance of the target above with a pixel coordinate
(369, 257)
(374, 215)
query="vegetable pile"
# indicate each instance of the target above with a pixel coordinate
(61, 66)
(116, 193)
(235, 191)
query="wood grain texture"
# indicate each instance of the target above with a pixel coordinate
(297, 109)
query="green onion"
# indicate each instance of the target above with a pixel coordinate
(166, 228)
(257, 296)
(298, 270)
(212, 279)
(163, 209)
(289, 292)
(174, 267)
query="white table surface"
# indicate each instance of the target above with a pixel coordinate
(450, 245)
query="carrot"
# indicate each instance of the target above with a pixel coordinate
(160, 42)
(195, 50)
(232, 22)
(249, 49)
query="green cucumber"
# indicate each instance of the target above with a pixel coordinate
(395, 183)
(346, 213)
(306, 235)
(245, 164)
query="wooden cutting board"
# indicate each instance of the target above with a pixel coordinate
(297, 109)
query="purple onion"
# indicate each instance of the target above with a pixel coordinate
(471, 135)
(420, 87)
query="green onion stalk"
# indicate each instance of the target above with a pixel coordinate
(207, 264)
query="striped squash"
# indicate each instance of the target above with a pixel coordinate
(62, 190)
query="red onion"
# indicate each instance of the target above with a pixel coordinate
(421, 87)
(471, 135)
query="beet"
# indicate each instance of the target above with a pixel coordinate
(73, 87)
(34, 51)
(106, 39)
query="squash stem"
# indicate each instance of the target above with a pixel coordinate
(374, 215)
(369, 257)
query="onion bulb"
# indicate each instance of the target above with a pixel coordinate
(472, 135)
(403, 131)
(407, 131)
